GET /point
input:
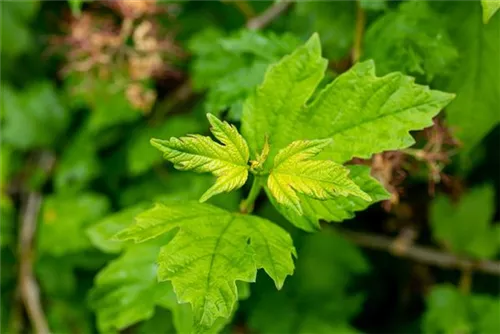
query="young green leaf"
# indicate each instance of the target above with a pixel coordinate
(336, 209)
(490, 7)
(466, 227)
(275, 107)
(211, 251)
(295, 172)
(229, 162)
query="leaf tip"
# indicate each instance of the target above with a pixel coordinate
(156, 143)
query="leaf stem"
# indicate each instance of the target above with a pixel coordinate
(247, 204)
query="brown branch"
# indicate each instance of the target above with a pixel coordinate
(421, 254)
(27, 284)
(30, 293)
(268, 15)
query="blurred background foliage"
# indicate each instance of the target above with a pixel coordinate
(85, 84)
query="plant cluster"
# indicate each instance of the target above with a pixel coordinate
(184, 167)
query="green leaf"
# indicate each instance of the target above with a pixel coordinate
(412, 39)
(446, 311)
(362, 113)
(319, 297)
(337, 34)
(230, 67)
(490, 7)
(295, 172)
(365, 114)
(274, 108)
(64, 316)
(64, 220)
(33, 117)
(126, 290)
(465, 227)
(336, 209)
(15, 31)
(141, 156)
(78, 165)
(211, 251)
(474, 113)
(101, 233)
(451, 311)
(201, 154)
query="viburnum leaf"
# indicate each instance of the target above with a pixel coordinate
(211, 251)
(362, 113)
(337, 208)
(201, 154)
(490, 7)
(295, 172)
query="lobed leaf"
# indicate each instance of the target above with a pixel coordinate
(336, 209)
(201, 154)
(295, 172)
(211, 251)
(273, 109)
(362, 113)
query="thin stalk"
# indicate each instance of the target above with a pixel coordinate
(247, 204)
(358, 33)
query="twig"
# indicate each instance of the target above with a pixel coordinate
(268, 15)
(359, 31)
(30, 293)
(421, 254)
